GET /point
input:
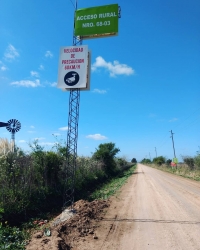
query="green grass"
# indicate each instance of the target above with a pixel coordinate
(11, 238)
(112, 186)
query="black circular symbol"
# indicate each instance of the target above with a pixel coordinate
(13, 126)
(71, 78)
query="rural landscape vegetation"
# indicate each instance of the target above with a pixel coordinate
(33, 184)
(137, 85)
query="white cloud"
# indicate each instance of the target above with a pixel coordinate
(173, 120)
(31, 131)
(4, 78)
(63, 128)
(39, 138)
(99, 91)
(97, 137)
(53, 84)
(27, 83)
(41, 67)
(11, 53)
(3, 68)
(34, 73)
(48, 54)
(114, 68)
(21, 141)
(32, 126)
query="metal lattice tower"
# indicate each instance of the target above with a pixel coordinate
(72, 138)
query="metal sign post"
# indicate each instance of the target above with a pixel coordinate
(74, 70)
(72, 138)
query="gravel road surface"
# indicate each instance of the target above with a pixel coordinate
(155, 211)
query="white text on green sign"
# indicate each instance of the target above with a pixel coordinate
(97, 21)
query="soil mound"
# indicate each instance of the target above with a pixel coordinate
(65, 235)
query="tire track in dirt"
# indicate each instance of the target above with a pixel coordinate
(155, 210)
(111, 230)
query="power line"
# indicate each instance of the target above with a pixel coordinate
(189, 125)
(182, 126)
(73, 4)
(164, 140)
(186, 119)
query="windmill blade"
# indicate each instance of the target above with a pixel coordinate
(3, 124)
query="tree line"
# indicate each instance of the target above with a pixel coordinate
(35, 182)
(193, 163)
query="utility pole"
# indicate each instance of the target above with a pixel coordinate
(156, 152)
(173, 143)
(149, 156)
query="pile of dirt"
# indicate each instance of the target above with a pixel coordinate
(67, 235)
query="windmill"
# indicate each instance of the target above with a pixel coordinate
(12, 126)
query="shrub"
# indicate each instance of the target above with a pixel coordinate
(36, 182)
(168, 162)
(189, 161)
(159, 160)
(121, 163)
(89, 171)
(11, 238)
(197, 161)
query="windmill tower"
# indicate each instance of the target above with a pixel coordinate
(12, 126)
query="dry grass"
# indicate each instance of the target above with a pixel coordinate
(182, 170)
(5, 146)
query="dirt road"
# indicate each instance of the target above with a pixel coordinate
(155, 211)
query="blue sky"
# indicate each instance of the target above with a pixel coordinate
(144, 83)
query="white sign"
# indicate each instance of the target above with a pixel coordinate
(73, 67)
(88, 75)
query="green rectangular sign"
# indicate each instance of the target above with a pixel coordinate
(97, 21)
(175, 160)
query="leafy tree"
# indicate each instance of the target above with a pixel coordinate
(107, 152)
(146, 161)
(159, 160)
(134, 160)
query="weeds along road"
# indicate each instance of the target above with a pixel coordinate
(155, 211)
